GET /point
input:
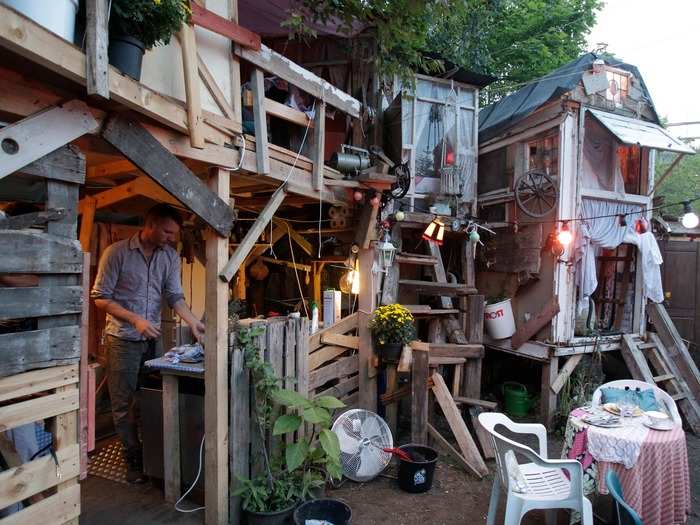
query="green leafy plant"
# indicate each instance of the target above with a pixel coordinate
(293, 467)
(151, 21)
(392, 324)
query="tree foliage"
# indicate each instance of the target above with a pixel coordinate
(514, 40)
(682, 184)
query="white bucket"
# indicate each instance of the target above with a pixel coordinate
(498, 320)
(58, 16)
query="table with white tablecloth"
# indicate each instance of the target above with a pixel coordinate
(652, 464)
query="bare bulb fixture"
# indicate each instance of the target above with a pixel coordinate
(690, 218)
(565, 236)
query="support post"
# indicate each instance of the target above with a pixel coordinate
(419, 393)
(262, 154)
(171, 438)
(192, 94)
(367, 303)
(548, 399)
(216, 369)
(319, 144)
(96, 39)
(87, 222)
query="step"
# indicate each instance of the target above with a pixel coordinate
(421, 310)
(440, 361)
(414, 258)
(646, 346)
(437, 289)
(679, 396)
(468, 351)
(662, 378)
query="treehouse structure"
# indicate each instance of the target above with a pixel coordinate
(574, 152)
(266, 149)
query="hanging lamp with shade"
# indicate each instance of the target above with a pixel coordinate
(689, 219)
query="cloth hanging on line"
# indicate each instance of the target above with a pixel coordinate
(607, 233)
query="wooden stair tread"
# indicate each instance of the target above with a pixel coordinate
(438, 361)
(418, 309)
(468, 351)
(413, 258)
(439, 289)
(664, 377)
(678, 396)
(646, 346)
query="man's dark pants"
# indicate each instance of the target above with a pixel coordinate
(125, 377)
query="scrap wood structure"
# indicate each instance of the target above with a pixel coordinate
(576, 150)
(91, 149)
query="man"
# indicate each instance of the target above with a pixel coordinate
(133, 277)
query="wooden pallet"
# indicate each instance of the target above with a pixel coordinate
(49, 394)
(649, 361)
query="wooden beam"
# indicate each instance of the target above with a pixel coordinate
(459, 428)
(246, 245)
(367, 226)
(224, 27)
(192, 94)
(262, 155)
(139, 146)
(96, 41)
(367, 302)
(215, 90)
(419, 395)
(140, 186)
(39, 301)
(38, 408)
(86, 224)
(66, 164)
(319, 144)
(528, 330)
(34, 252)
(38, 135)
(279, 65)
(296, 236)
(216, 369)
(287, 113)
(28, 383)
(468, 351)
(28, 220)
(106, 169)
(566, 372)
(447, 446)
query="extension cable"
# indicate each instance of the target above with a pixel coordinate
(196, 479)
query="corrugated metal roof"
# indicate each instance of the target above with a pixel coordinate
(635, 131)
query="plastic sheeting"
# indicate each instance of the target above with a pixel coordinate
(606, 232)
(600, 170)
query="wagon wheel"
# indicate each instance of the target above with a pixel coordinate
(536, 193)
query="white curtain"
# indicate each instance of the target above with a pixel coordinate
(606, 232)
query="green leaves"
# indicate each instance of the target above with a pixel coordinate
(295, 454)
(285, 424)
(329, 402)
(329, 442)
(317, 416)
(290, 398)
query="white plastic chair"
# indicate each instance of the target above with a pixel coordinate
(663, 398)
(545, 486)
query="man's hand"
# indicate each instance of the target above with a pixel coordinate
(198, 331)
(146, 328)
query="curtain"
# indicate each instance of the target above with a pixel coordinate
(606, 232)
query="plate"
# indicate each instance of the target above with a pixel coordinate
(614, 408)
(666, 426)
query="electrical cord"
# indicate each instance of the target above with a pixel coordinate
(196, 479)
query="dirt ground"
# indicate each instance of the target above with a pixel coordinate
(455, 498)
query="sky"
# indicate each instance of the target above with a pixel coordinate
(661, 38)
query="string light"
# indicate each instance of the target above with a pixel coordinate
(565, 236)
(690, 219)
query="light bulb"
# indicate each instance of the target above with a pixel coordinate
(690, 219)
(355, 279)
(565, 236)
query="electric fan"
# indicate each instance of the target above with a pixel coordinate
(363, 436)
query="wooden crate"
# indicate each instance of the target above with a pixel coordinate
(49, 394)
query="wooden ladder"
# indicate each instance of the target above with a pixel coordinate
(649, 361)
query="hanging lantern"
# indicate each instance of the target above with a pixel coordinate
(641, 225)
(690, 219)
(435, 231)
(474, 236)
(623, 221)
(355, 279)
(565, 236)
(386, 250)
(358, 196)
(399, 215)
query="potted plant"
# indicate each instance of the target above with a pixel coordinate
(392, 327)
(295, 468)
(137, 25)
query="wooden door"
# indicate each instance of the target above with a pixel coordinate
(682, 288)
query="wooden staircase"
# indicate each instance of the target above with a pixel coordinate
(649, 361)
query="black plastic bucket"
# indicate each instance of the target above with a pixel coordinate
(331, 510)
(126, 53)
(281, 517)
(417, 475)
